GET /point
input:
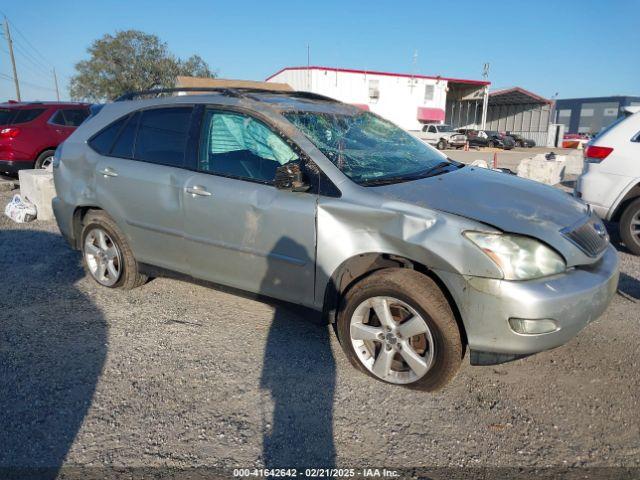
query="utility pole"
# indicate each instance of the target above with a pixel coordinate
(485, 96)
(7, 34)
(55, 80)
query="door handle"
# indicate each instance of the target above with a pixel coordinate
(108, 172)
(198, 190)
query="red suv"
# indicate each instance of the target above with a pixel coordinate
(31, 132)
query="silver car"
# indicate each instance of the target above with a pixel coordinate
(295, 196)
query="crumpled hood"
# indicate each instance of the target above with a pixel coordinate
(505, 201)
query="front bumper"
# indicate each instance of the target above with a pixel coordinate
(572, 299)
(13, 166)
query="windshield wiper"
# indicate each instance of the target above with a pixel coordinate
(430, 172)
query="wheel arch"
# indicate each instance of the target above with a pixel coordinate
(78, 216)
(630, 196)
(355, 268)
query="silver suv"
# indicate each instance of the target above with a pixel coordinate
(295, 196)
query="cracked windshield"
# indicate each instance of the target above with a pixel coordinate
(368, 149)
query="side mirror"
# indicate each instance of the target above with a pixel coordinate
(290, 176)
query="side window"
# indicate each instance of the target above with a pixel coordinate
(103, 140)
(75, 117)
(432, 129)
(27, 115)
(58, 118)
(240, 146)
(162, 136)
(126, 140)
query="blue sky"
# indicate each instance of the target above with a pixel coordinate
(575, 48)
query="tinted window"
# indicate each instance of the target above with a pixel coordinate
(6, 114)
(240, 146)
(102, 142)
(162, 136)
(75, 117)
(126, 140)
(58, 118)
(26, 115)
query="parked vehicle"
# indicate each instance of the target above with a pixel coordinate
(610, 181)
(476, 138)
(499, 140)
(31, 132)
(521, 141)
(442, 136)
(297, 196)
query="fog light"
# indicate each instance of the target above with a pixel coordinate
(532, 327)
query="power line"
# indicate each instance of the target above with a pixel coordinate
(28, 56)
(8, 78)
(46, 61)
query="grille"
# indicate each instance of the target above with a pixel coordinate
(591, 236)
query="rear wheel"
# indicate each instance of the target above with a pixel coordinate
(44, 160)
(630, 226)
(397, 326)
(107, 255)
(490, 144)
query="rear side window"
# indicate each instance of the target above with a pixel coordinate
(162, 136)
(25, 115)
(126, 140)
(6, 114)
(70, 118)
(103, 141)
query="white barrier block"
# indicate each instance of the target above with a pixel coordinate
(574, 163)
(540, 169)
(37, 187)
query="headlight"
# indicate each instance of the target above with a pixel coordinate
(519, 257)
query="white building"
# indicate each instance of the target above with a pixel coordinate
(407, 100)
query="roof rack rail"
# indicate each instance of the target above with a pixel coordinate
(230, 91)
(158, 91)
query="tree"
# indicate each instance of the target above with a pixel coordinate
(130, 61)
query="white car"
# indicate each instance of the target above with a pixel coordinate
(442, 136)
(610, 180)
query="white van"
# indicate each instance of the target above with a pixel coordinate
(610, 180)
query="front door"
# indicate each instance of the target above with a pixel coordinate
(240, 230)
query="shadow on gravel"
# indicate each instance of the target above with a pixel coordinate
(629, 286)
(52, 349)
(300, 373)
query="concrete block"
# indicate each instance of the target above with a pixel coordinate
(540, 169)
(574, 163)
(37, 187)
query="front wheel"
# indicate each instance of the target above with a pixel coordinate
(397, 326)
(490, 145)
(441, 145)
(630, 226)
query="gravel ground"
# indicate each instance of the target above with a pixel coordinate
(180, 374)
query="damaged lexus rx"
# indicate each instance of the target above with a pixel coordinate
(414, 257)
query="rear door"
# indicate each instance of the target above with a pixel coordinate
(140, 180)
(240, 230)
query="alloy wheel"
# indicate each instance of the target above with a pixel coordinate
(635, 226)
(392, 340)
(103, 257)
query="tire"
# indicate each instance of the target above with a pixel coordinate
(520, 144)
(441, 145)
(490, 145)
(44, 159)
(630, 231)
(442, 345)
(116, 252)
